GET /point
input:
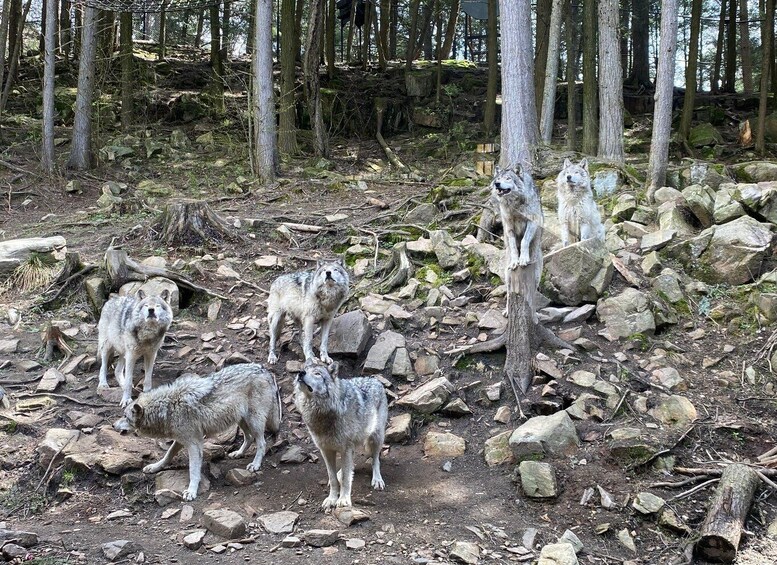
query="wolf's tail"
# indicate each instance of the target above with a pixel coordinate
(274, 420)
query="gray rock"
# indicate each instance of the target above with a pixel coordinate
(444, 444)
(457, 407)
(279, 522)
(19, 537)
(656, 240)
(674, 216)
(154, 287)
(626, 314)
(399, 428)
(497, 451)
(291, 541)
(96, 292)
(704, 135)
(294, 454)
(492, 319)
(569, 537)
(50, 381)
(348, 515)
(423, 214)
(381, 353)
(446, 249)
(321, 538)
(735, 251)
(670, 378)
(9, 345)
(375, 304)
(464, 552)
(57, 442)
(402, 365)
(760, 200)
(11, 551)
(350, 334)
(755, 171)
(426, 365)
(577, 273)
(651, 264)
(194, 539)
(667, 286)
(667, 194)
(355, 544)
(175, 481)
(429, 397)
(644, 215)
(704, 174)
(727, 207)
(701, 201)
(648, 503)
(538, 479)
(674, 411)
(115, 550)
(579, 314)
(626, 540)
(558, 554)
(240, 477)
(541, 435)
(224, 522)
(624, 207)
(605, 182)
(767, 305)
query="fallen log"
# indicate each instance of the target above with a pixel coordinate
(722, 528)
(380, 108)
(15, 251)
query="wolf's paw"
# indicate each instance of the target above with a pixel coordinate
(272, 358)
(125, 401)
(329, 502)
(378, 484)
(102, 386)
(147, 388)
(188, 495)
(344, 502)
(513, 265)
(326, 359)
(254, 467)
(150, 469)
(235, 454)
(523, 261)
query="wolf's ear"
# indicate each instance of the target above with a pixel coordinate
(497, 170)
(137, 411)
(140, 294)
(300, 375)
(165, 295)
(567, 163)
(519, 170)
(584, 163)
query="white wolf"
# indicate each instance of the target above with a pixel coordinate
(577, 212)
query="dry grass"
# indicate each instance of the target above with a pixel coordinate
(34, 275)
(760, 552)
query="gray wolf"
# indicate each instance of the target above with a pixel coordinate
(308, 297)
(192, 407)
(342, 415)
(131, 328)
(521, 212)
(577, 212)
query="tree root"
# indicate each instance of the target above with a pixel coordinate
(400, 269)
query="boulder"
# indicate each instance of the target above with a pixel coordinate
(538, 479)
(624, 207)
(704, 135)
(444, 444)
(735, 251)
(759, 200)
(497, 451)
(224, 522)
(701, 202)
(544, 435)
(398, 428)
(704, 174)
(667, 194)
(605, 182)
(577, 273)
(626, 314)
(726, 207)
(674, 411)
(755, 171)
(674, 216)
(383, 351)
(350, 334)
(429, 397)
(558, 554)
(154, 287)
(446, 249)
(656, 240)
(464, 552)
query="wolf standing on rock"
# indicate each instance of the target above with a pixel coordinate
(132, 327)
(309, 297)
(192, 407)
(577, 212)
(342, 416)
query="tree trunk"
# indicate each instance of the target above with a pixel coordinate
(662, 120)
(394, 25)
(251, 27)
(65, 30)
(572, 39)
(744, 47)
(715, 82)
(14, 35)
(351, 31)
(766, 70)
(162, 35)
(78, 15)
(640, 41)
(365, 47)
(47, 152)
(385, 25)
(226, 30)
(730, 78)
(376, 32)
(412, 33)
(624, 33)
(489, 117)
(610, 84)
(287, 133)
(330, 38)
(590, 99)
(15, 53)
(216, 63)
(200, 26)
(4, 22)
(312, 79)
(520, 134)
(689, 99)
(722, 529)
(127, 84)
(265, 149)
(81, 147)
(450, 30)
(551, 72)
(544, 13)
(299, 10)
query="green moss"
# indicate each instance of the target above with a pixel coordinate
(641, 340)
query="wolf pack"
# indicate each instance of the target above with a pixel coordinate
(342, 415)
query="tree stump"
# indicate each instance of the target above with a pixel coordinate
(192, 223)
(722, 528)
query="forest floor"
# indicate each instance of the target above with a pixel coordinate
(428, 503)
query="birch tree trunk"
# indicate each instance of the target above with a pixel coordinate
(551, 72)
(489, 116)
(287, 119)
(265, 148)
(744, 47)
(689, 99)
(662, 120)
(766, 69)
(590, 98)
(610, 84)
(81, 147)
(47, 151)
(520, 133)
(127, 86)
(312, 79)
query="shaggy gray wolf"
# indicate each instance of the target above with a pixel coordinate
(577, 212)
(192, 407)
(308, 297)
(521, 212)
(132, 327)
(342, 415)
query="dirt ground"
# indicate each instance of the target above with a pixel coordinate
(425, 507)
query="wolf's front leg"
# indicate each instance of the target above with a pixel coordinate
(105, 356)
(195, 470)
(528, 235)
(165, 461)
(126, 385)
(511, 247)
(330, 459)
(148, 366)
(306, 336)
(347, 478)
(564, 231)
(324, 349)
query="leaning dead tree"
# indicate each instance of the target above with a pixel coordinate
(192, 223)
